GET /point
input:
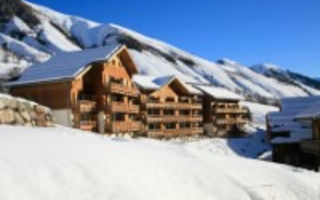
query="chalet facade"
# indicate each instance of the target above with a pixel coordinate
(295, 132)
(223, 114)
(90, 89)
(99, 90)
(169, 108)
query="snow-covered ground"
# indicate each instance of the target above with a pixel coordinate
(63, 163)
(259, 112)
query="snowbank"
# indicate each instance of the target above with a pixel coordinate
(61, 163)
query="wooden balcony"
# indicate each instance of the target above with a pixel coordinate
(310, 146)
(196, 130)
(124, 126)
(123, 107)
(154, 118)
(154, 105)
(183, 105)
(132, 108)
(230, 121)
(175, 132)
(87, 125)
(118, 107)
(229, 110)
(170, 105)
(197, 118)
(121, 89)
(170, 118)
(195, 106)
(85, 106)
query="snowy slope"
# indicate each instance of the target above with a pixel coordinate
(47, 32)
(61, 163)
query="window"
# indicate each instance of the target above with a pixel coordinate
(168, 112)
(117, 98)
(169, 99)
(184, 112)
(153, 112)
(171, 125)
(119, 117)
(184, 125)
(154, 126)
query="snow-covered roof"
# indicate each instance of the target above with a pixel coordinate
(312, 111)
(219, 93)
(65, 65)
(292, 109)
(192, 89)
(151, 82)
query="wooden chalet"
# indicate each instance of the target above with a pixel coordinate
(90, 89)
(222, 114)
(169, 108)
(295, 132)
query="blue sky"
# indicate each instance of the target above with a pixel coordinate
(284, 32)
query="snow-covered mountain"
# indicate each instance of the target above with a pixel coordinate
(31, 33)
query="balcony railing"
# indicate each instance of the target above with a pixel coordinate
(173, 105)
(154, 105)
(124, 126)
(117, 107)
(121, 89)
(196, 106)
(85, 105)
(123, 107)
(230, 121)
(154, 118)
(230, 110)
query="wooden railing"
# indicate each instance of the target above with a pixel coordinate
(173, 105)
(121, 89)
(230, 121)
(85, 105)
(124, 126)
(123, 107)
(173, 118)
(175, 132)
(154, 118)
(230, 110)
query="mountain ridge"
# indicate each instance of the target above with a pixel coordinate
(55, 32)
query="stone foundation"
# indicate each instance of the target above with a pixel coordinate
(17, 111)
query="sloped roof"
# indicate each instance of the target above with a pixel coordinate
(192, 89)
(65, 65)
(286, 120)
(219, 93)
(151, 82)
(312, 111)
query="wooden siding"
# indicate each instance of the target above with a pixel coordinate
(55, 95)
(163, 115)
(223, 116)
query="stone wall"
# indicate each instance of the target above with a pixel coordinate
(17, 111)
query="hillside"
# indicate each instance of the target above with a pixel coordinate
(31, 33)
(88, 166)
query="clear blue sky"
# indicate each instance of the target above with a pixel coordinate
(284, 32)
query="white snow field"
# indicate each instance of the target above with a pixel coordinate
(62, 163)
